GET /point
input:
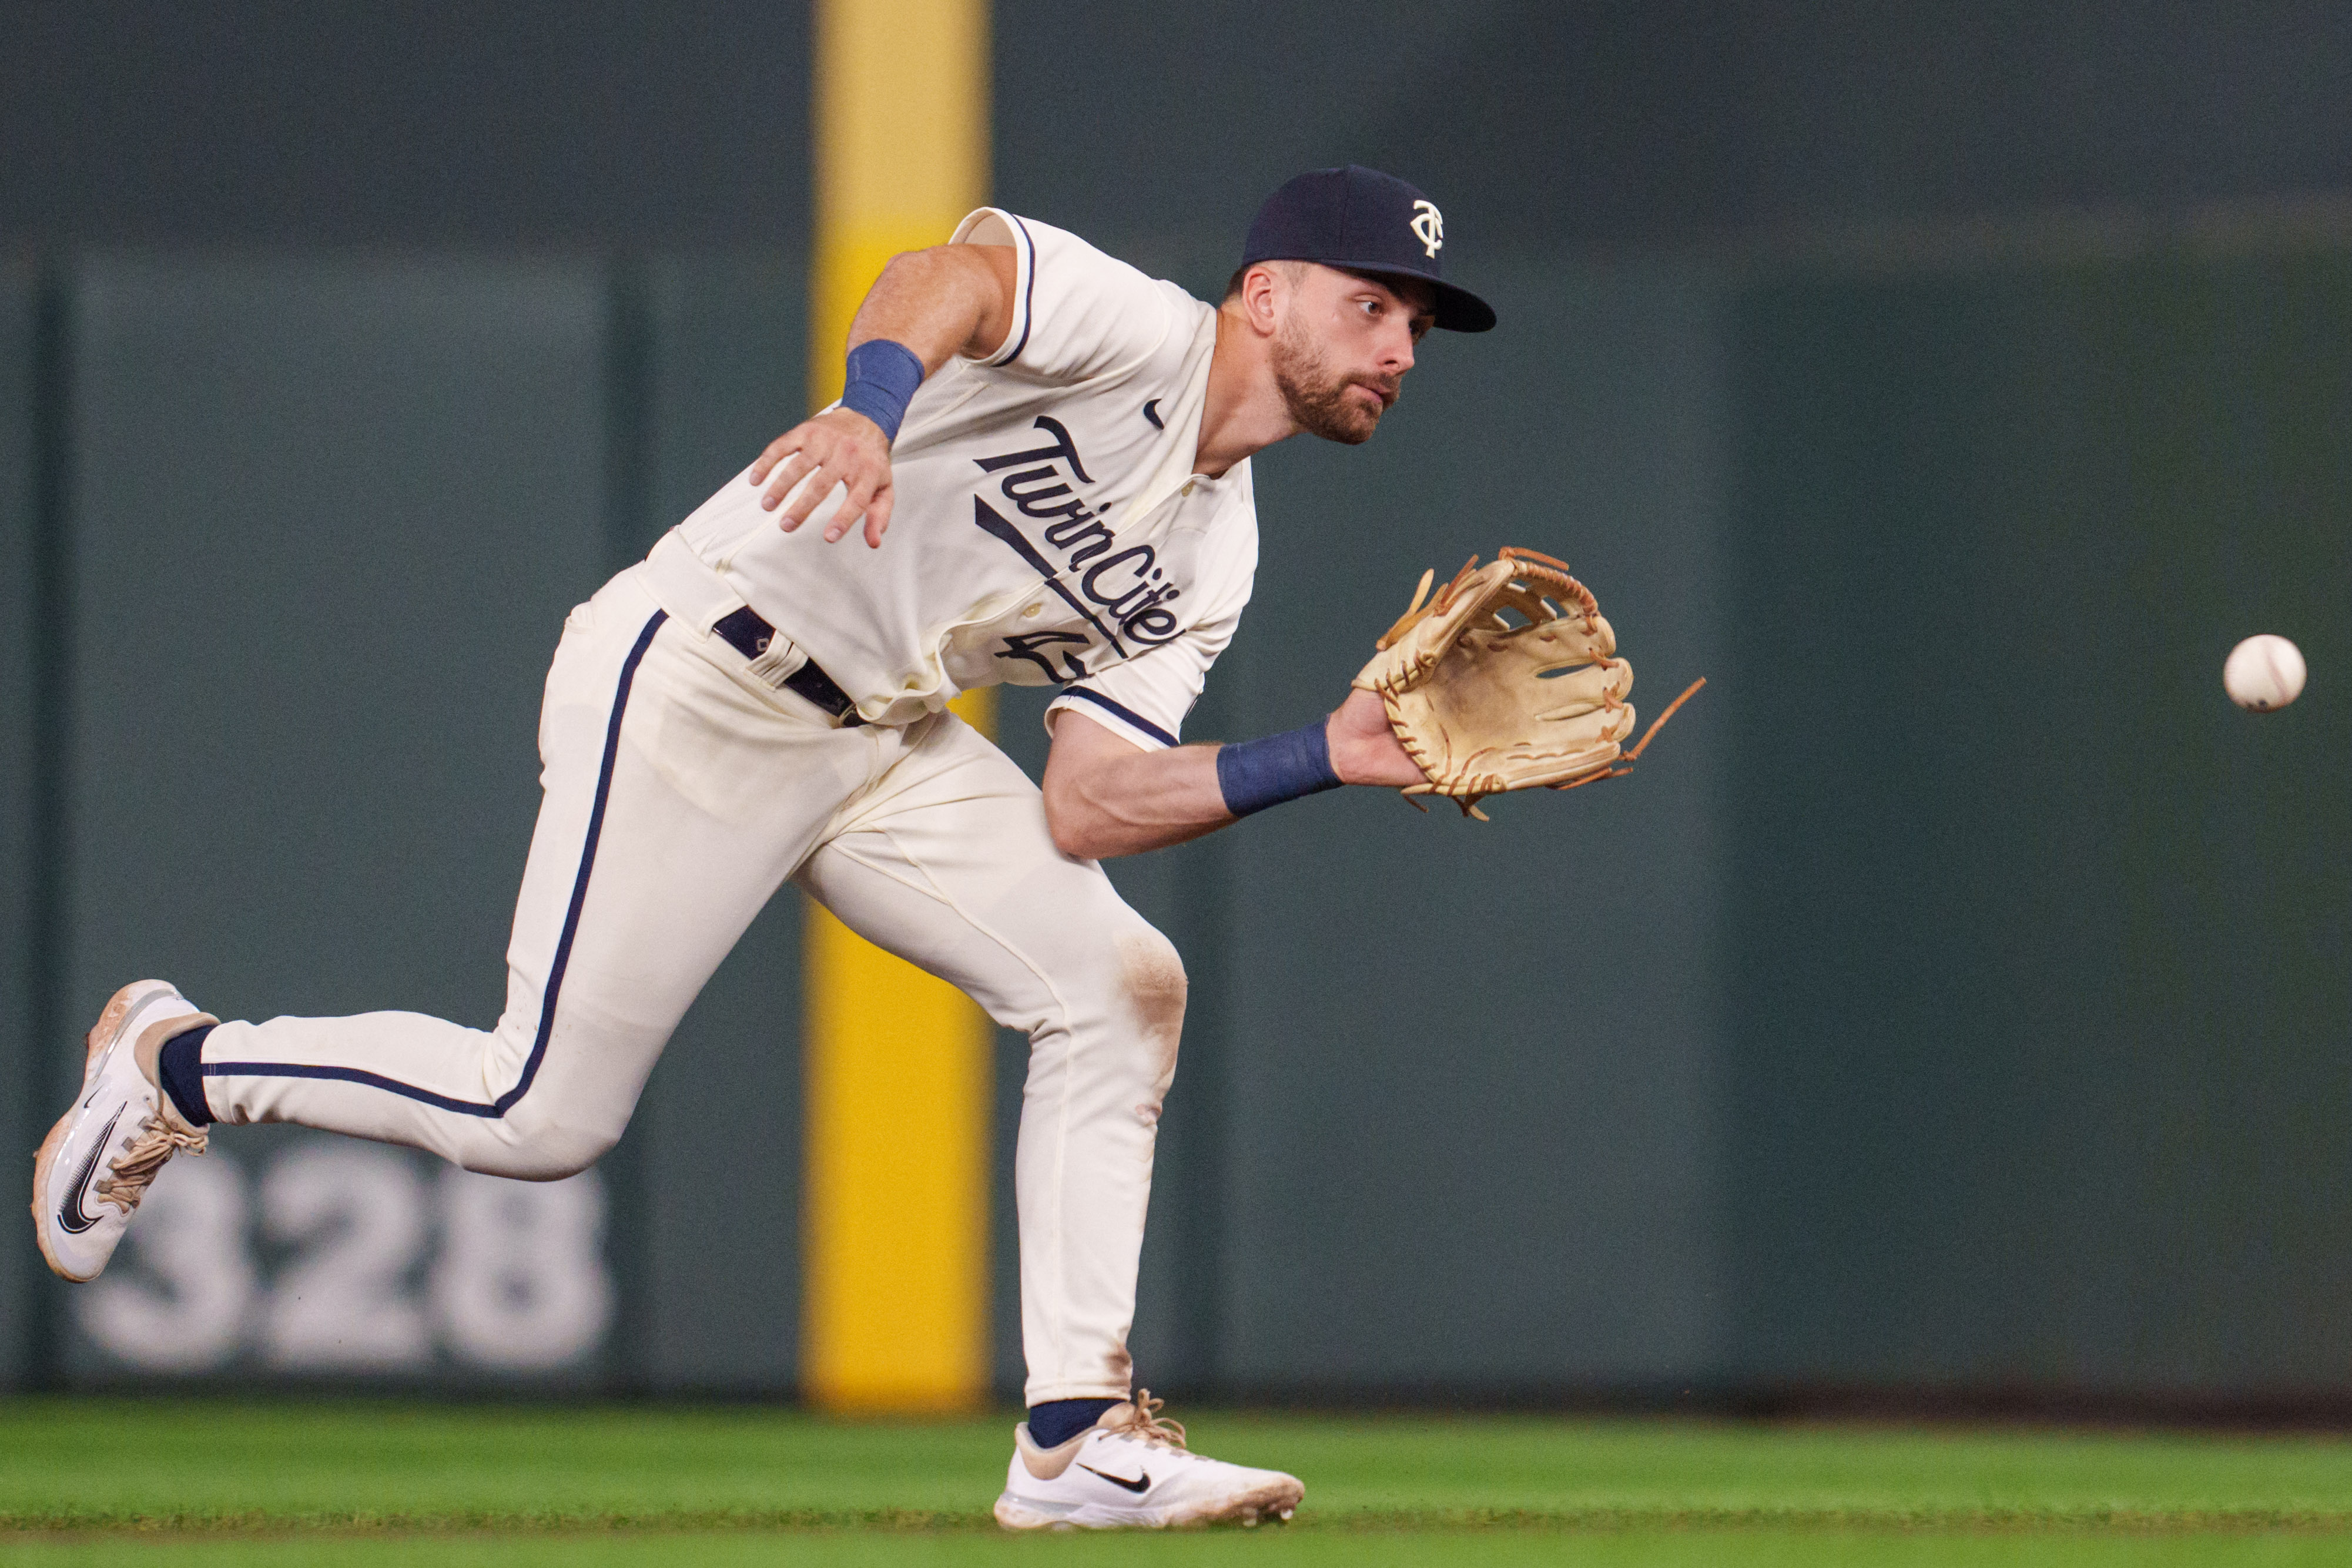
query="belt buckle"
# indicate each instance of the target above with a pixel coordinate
(775, 663)
(770, 654)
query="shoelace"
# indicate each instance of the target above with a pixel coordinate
(131, 1175)
(1141, 1421)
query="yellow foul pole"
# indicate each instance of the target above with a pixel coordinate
(895, 1311)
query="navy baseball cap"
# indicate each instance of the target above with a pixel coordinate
(1363, 221)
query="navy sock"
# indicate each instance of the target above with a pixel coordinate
(1057, 1421)
(181, 1073)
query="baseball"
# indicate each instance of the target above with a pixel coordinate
(2263, 673)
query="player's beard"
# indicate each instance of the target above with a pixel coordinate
(1318, 396)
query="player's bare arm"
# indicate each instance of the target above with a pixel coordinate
(948, 299)
(1105, 797)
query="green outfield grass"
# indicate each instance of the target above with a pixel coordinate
(89, 1480)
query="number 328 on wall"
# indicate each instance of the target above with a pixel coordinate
(378, 1267)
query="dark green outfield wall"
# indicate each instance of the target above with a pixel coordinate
(1957, 996)
(24, 672)
(320, 520)
(2041, 1036)
(1954, 998)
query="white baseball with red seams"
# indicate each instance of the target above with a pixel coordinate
(1048, 528)
(2264, 673)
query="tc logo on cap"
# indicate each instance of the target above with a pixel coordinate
(1429, 226)
(1362, 221)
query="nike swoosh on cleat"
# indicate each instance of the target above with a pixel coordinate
(72, 1216)
(1139, 1486)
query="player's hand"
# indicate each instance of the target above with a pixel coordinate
(840, 446)
(1364, 749)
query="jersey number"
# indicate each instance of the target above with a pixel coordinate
(1036, 646)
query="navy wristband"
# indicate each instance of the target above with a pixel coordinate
(883, 375)
(1254, 775)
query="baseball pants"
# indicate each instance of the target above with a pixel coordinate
(680, 793)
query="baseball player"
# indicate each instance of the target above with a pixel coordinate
(1039, 473)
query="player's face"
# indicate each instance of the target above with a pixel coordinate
(1343, 347)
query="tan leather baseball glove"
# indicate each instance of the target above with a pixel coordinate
(1485, 704)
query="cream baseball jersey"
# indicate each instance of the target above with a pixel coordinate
(1048, 527)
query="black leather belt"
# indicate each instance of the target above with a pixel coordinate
(748, 634)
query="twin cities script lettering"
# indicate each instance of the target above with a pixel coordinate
(1123, 595)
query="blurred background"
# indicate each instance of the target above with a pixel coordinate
(1952, 1011)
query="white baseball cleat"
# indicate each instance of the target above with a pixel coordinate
(98, 1161)
(1130, 1471)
